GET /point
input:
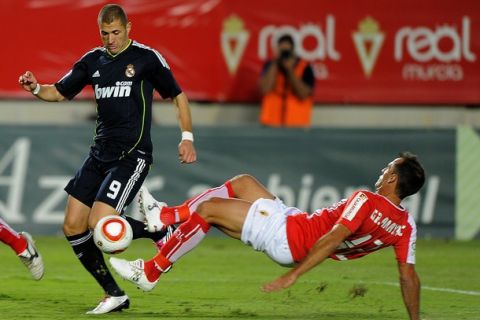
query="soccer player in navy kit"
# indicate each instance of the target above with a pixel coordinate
(123, 74)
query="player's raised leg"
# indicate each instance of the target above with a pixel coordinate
(226, 214)
(158, 214)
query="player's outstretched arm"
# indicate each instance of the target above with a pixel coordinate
(186, 149)
(46, 92)
(319, 252)
(410, 285)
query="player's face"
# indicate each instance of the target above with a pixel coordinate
(386, 174)
(114, 35)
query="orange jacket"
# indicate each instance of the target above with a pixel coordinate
(280, 107)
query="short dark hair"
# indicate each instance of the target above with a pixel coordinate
(286, 38)
(111, 12)
(411, 175)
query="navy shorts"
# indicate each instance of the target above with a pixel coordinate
(115, 183)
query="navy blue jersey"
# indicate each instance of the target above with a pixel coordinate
(123, 85)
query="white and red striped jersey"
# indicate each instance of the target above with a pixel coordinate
(375, 223)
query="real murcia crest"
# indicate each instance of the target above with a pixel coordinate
(234, 39)
(130, 71)
(368, 41)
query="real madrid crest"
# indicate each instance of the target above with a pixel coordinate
(130, 71)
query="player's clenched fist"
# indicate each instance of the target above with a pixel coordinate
(186, 152)
(28, 81)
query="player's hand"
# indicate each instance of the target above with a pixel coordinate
(280, 283)
(186, 152)
(28, 81)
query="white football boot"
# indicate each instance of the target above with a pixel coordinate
(134, 272)
(31, 258)
(150, 208)
(111, 304)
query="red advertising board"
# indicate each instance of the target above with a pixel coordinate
(370, 51)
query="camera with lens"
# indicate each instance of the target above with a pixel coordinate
(285, 54)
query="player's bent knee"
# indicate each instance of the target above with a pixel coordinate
(73, 225)
(241, 179)
(207, 209)
(73, 229)
(204, 207)
(241, 182)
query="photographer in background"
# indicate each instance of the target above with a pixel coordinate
(286, 84)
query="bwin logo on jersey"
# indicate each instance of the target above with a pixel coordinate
(122, 89)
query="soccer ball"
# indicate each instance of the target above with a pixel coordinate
(112, 234)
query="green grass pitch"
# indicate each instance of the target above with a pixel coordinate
(221, 278)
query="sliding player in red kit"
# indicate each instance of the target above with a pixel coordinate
(244, 209)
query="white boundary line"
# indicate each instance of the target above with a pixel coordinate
(465, 292)
(394, 284)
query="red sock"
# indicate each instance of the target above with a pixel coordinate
(185, 238)
(181, 213)
(11, 238)
(173, 215)
(151, 272)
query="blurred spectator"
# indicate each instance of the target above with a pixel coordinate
(286, 84)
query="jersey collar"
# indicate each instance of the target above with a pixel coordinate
(116, 55)
(393, 204)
